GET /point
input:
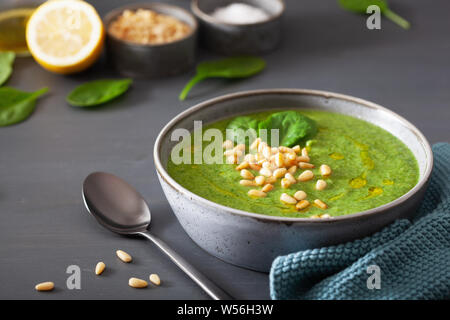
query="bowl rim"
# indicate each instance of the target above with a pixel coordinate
(209, 18)
(109, 17)
(265, 218)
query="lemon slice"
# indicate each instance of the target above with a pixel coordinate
(65, 36)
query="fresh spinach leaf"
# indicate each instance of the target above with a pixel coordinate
(97, 92)
(237, 129)
(360, 6)
(16, 105)
(292, 127)
(6, 65)
(233, 67)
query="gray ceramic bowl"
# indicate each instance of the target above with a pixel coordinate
(253, 240)
(235, 39)
(157, 60)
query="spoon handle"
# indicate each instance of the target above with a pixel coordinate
(207, 285)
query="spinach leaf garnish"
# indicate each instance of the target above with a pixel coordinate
(360, 6)
(237, 129)
(17, 105)
(6, 65)
(292, 127)
(233, 67)
(97, 92)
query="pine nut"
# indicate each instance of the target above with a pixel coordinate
(227, 144)
(240, 147)
(45, 286)
(285, 183)
(246, 174)
(325, 216)
(260, 157)
(243, 165)
(285, 149)
(320, 204)
(297, 149)
(232, 159)
(247, 183)
(302, 204)
(250, 158)
(259, 180)
(325, 170)
(267, 188)
(292, 170)
(290, 177)
(154, 278)
(265, 172)
(300, 195)
(321, 184)
(257, 193)
(305, 165)
(290, 159)
(278, 173)
(315, 216)
(303, 159)
(267, 152)
(306, 176)
(267, 164)
(137, 283)
(272, 166)
(261, 146)
(279, 160)
(287, 199)
(125, 257)
(255, 144)
(255, 167)
(99, 268)
(305, 152)
(274, 151)
(271, 179)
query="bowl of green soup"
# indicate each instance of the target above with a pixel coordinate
(258, 174)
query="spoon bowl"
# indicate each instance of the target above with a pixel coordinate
(115, 204)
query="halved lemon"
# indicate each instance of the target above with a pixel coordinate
(65, 36)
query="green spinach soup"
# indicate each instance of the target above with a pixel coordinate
(326, 164)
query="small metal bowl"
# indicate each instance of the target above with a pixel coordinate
(152, 60)
(234, 39)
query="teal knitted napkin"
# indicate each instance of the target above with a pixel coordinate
(413, 257)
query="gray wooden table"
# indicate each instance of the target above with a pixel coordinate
(43, 161)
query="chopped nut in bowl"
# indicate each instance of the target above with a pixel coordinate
(151, 39)
(145, 26)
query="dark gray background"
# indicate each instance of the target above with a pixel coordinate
(43, 161)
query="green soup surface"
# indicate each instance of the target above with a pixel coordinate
(370, 167)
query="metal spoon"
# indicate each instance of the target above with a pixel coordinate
(120, 208)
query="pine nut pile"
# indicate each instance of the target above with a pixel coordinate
(148, 27)
(273, 164)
